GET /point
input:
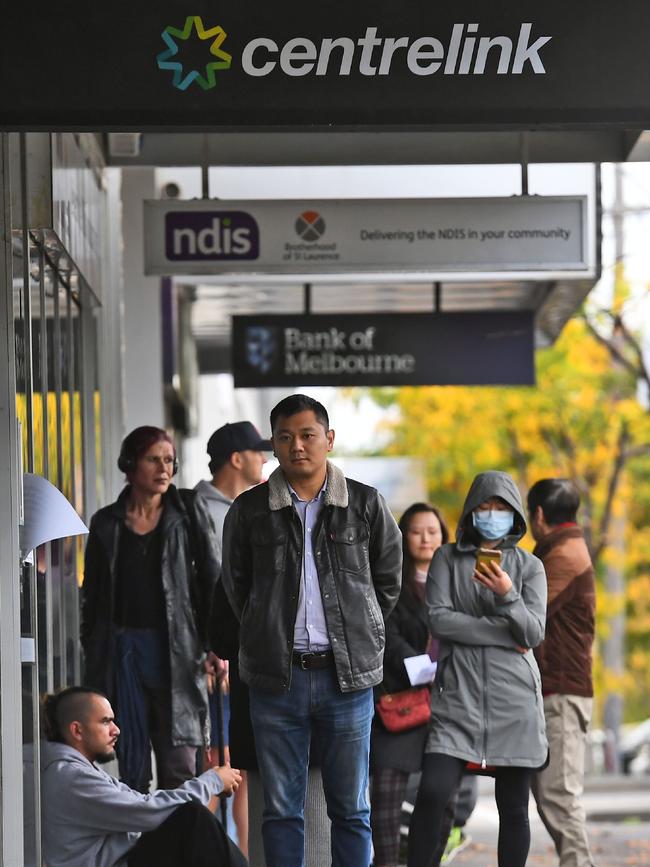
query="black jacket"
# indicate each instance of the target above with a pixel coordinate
(407, 634)
(190, 571)
(358, 550)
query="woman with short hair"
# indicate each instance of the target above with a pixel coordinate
(149, 578)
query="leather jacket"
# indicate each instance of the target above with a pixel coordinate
(189, 573)
(358, 550)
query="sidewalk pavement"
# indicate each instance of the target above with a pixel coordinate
(618, 824)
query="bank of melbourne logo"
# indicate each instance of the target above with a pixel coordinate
(262, 345)
(204, 77)
(310, 226)
(211, 236)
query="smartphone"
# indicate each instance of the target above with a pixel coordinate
(487, 555)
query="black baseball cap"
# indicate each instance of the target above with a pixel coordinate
(239, 436)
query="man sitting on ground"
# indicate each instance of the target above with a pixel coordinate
(92, 820)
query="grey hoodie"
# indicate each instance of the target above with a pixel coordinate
(92, 820)
(218, 505)
(486, 705)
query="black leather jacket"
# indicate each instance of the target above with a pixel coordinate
(358, 551)
(189, 572)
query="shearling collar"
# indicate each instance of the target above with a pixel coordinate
(335, 494)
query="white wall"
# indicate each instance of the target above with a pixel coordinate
(142, 313)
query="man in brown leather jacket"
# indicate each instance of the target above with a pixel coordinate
(312, 567)
(565, 663)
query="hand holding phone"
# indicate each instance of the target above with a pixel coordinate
(485, 556)
(488, 571)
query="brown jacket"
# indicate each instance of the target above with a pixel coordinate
(564, 657)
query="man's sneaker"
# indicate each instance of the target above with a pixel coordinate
(456, 842)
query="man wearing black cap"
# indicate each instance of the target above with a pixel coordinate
(236, 460)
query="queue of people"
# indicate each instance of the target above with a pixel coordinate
(304, 598)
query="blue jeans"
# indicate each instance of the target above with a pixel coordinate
(283, 724)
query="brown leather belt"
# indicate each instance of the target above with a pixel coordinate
(310, 661)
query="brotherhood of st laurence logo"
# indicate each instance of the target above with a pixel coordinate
(204, 77)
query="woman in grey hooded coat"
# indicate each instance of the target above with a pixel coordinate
(486, 706)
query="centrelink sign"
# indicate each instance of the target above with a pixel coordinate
(197, 64)
(462, 52)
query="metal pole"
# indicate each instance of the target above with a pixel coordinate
(437, 296)
(205, 167)
(524, 157)
(221, 748)
(11, 751)
(614, 645)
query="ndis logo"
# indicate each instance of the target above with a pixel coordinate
(211, 236)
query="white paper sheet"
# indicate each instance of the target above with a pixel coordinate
(420, 669)
(48, 515)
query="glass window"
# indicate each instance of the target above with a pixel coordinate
(49, 404)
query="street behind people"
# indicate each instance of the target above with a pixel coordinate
(486, 706)
(396, 755)
(92, 820)
(312, 566)
(565, 662)
(150, 573)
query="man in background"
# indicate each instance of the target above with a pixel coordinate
(236, 459)
(565, 663)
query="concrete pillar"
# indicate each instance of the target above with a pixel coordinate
(142, 310)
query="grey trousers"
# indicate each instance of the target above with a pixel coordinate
(558, 789)
(317, 824)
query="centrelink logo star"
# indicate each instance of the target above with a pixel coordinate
(182, 79)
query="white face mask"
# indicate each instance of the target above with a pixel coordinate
(493, 523)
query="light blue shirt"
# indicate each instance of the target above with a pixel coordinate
(310, 630)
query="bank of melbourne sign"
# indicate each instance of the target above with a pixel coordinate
(384, 349)
(205, 65)
(415, 237)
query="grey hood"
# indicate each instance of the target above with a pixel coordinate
(209, 492)
(217, 505)
(487, 704)
(492, 483)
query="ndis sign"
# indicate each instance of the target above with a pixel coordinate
(535, 235)
(211, 236)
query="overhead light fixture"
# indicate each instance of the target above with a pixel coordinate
(124, 144)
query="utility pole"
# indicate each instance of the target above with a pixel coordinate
(613, 646)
